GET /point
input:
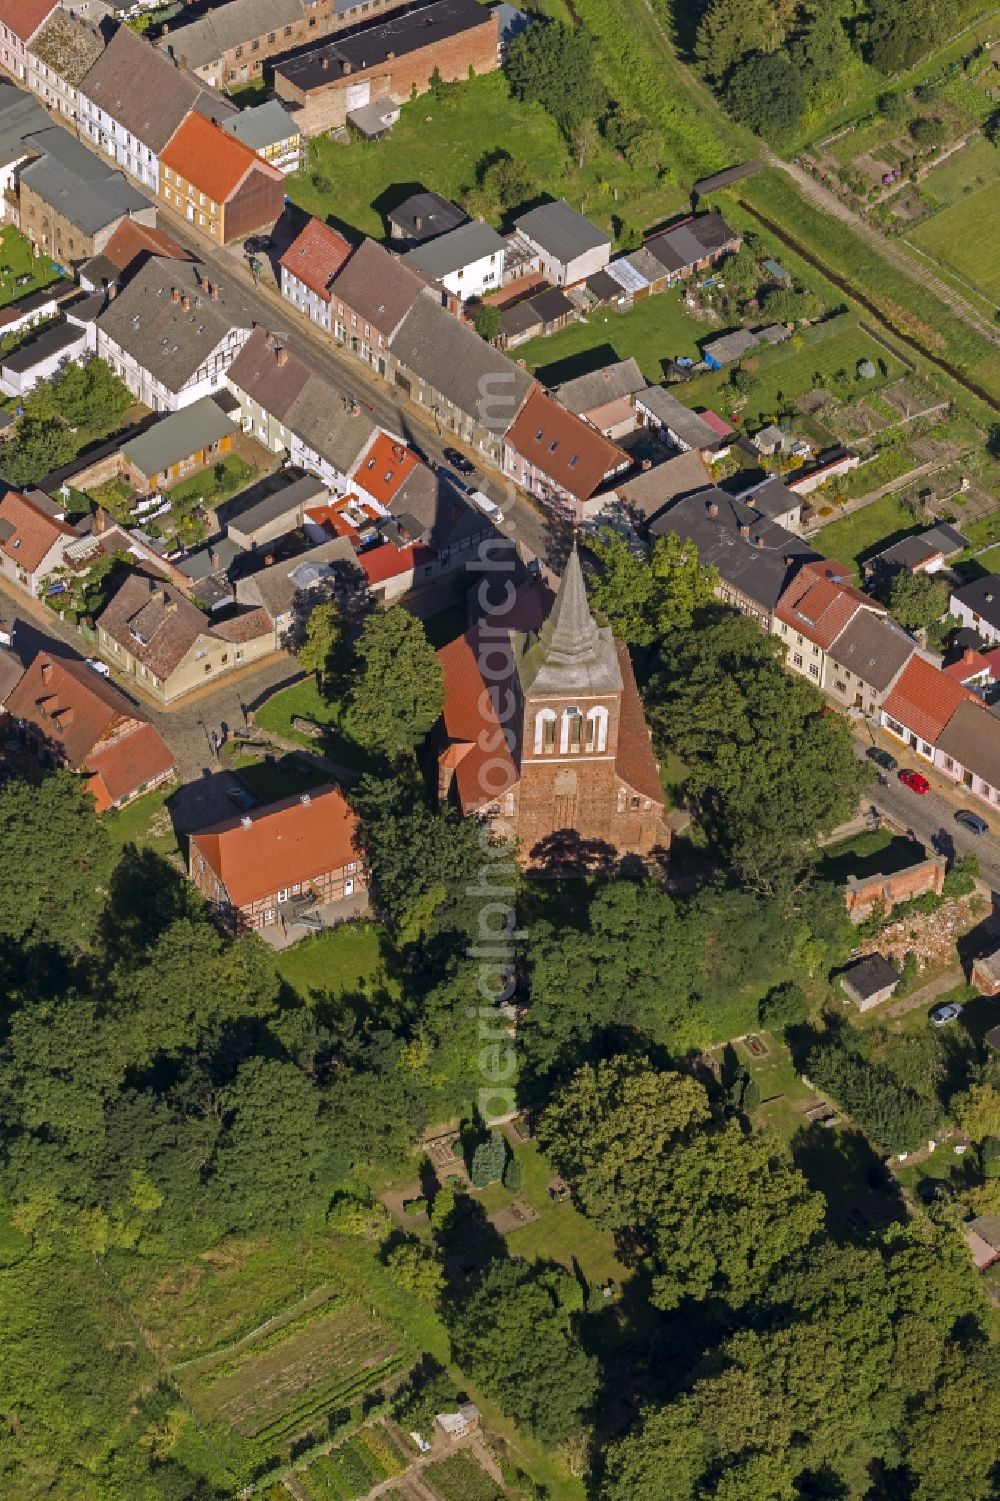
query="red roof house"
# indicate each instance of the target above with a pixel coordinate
(213, 180)
(382, 469)
(817, 606)
(920, 705)
(308, 267)
(68, 714)
(557, 456)
(32, 542)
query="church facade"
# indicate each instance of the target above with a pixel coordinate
(543, 732)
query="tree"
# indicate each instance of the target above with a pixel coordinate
(321, 650)
(503, 183)
(741, 379)
(628, 131)
(979, 1112)
(488, 322)
(553, 65)
(821, 50)
(786, 305)
(38, 446)
(926, 131)
(891, 106)
(489, 1160)
(766, 92)
(513, 1177)
(399, 689)
(728, 30)
(610, 1131)
(787, 1005)
(901, 31)
(584, 140)
(415, 1267)
(645, 596)
(893, 1115)
(917, 599)
(513, 1337)
(741, 271)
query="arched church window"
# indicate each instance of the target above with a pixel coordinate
(545, 731)
(597, 729)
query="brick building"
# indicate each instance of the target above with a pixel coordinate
(578, 782)
(70, 202)
(388, 62)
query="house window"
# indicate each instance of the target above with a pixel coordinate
(283, 894)
(796, 660)
(813, 670)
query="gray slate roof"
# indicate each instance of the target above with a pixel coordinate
(158, 333)
(561, 231)
(680, 248)
(649, 493)
(77, 184)
(983, 598)
(20, 115)
(760, 572)
(972, 737)
(60, 338)
(204, 41)
(177, 436)
(424, 215)
(139, 86)
(452, 359)
(256, 371)
(601, 386)
(285, 501)
(456, 249)
(262, 125)
(377, 286)
(731, 346)
(319, 417)
(873, 647)
(869, 976)
(689, 427)
(773, 499)
(275, 587)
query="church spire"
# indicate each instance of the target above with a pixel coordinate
(569, 635)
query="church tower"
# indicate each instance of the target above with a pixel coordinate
(570, 682)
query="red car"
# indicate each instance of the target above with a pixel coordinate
(915, 781)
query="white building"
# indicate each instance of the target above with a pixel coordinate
(467, 261)
(569, 247)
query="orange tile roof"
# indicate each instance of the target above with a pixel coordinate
(389, 561)
(280, 845)
(334, 522)
(93, 726)
(382, 470)
(924, 699)
(33, 531)
(469, 718)
(25, 16)
(635, 762)
(212, 161)
(971, 663)
(564, 447)
(315, 256)
(132, 241)
(819, 605)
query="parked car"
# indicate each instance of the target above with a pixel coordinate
(461, 463)
(942, 1015)
(96, 665)
(242, 797)
(488, 507)
(972, 821)
(915, 780)
(882, 758)
(257, 244)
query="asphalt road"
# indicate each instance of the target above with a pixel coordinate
(931, 816)
(538, 535)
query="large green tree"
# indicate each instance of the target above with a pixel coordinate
(324, 636)
(645, 596)
(766, 91)
(899, 32)
(398, 690)
(918, 599)
(553, 65)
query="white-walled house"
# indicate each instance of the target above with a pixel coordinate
(977, 606)
(467, 261)
(20, 23)
(569, 247)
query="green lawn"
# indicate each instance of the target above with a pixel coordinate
(438, 144)
(560, 1233)
(212, 485)
(654, 331)
(146, 823)
(303, 701)
(16, 259)
(270, 780)
(868, 530)
(975, 166)
(348, 960)
(959, 236)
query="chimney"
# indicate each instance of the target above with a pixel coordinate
(215, 290)
(282, 357)
(389, 56)
(268, 560)
(175, 295)
(186, 303)
(326, 63)
(758, 541)
(646, 465)
(46, 671)
(246, 821)
(305, 799)
(418, 222)
(968, 656)
(214, 559)
(100, 519)
(184, 61)
(712, 507)
(744, 530)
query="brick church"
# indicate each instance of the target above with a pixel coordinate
(543, 732)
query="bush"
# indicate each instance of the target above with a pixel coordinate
(927, 132)
(891, 106)
(489, 1160)
(962, 877)
(786, 1005)
(513, 1178)
(415, 1206)
(894, 1116)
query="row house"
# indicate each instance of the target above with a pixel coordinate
(977, 606)
(558, 457)
(133, 100)
(370, 298)
(276, 864)
(308, 268)
(467, 262)
(20, 23)
(173, 333)
(813, 611)
(470, 389)
(920, 705)
(70, 202)
(59, 58)
(968, 751)
(209, 178)
(865, 661)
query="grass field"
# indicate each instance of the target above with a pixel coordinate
(146, 823)
(656, 330)
(438, 145)
(303, 701)
(16, 259)
(348, 960)
(975, 166)
(853, 537)
(960, 237)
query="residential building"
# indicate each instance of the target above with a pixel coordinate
(571, 774)
(132, 101)
(922, 701)
(214, 181)
(756, 558)
(389, 62)
(254, 523)
(865, 660)
(265, 377)
(535, 317)
(813, 610)
(370, 297)
(21, 115)
(677, 424)
(32, 542)
(269, 130)
(127, 251)
(173, 333)
(968, 751)
(273, 865)
(68, 715)
(20, 23)
(927, 552)
(569, 247)
(558, 457)
(773, 499)
(42, 357)
(825, 466)
(329, 569)
(328, 434)
(70, 202)
(977, 605)
(979, 671)
(470, 389)
(605, 398)
(59, 57)
(308, 268)
(230, 44)
(392, 571)
(179, 444)
(37, 307)
(467, 261)
(648, 493)
(151, 632)
(382, 470)
(422, 217)
(693, 245)
(427, 507)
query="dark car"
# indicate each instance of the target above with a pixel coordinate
(972, 821)
(242, 797)
(257, 244)
(882, 758)
(461, 463)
